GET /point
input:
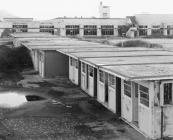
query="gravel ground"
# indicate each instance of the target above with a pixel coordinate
(67, 113)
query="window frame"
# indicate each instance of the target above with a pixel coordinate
(107, 30)
(90, 30)
(90, 71)
(144, 95)
(171, 95)
(83, 67)
(128, 86)
(101, 76)
(112, 81)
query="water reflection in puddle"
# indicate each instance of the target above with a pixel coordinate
(13, 99)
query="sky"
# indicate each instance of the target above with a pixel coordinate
(49, 9)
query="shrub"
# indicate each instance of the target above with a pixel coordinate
(138, 43)
(14, 59)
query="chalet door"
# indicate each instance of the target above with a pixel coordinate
(135, 103)
(95, 82)
(106, 88)
(118, 95)
(166, 98)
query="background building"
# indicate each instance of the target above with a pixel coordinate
(104, 11)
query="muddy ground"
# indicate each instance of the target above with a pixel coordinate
(65, 113)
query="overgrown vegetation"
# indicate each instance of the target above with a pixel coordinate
(159, 36)
(14, 59)
(138, 43)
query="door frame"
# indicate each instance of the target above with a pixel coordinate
(118, 95)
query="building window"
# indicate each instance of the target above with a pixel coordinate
(107, 30)
(111, 80)
(90, 30)
(156, 30)
(83, 67)
(127, 88)
(167, 93)
(47, 28)
(144, 95)
(169, 28)
(90, 70)
(72, 29)
(101, 76)
(20, 28)
(142, 30)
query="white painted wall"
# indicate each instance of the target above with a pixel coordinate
(76, 74)
(91, 86)
(83, 81)
(112, 99)
(70, 71)
(100, 92)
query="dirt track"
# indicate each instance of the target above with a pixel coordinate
(67, 113)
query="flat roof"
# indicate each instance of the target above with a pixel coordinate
(105, 49)
(140, 60)
(133, 63)
(120, 54)
(142, 72)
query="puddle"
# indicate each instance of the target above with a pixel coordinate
(33, 98)
(13, 99)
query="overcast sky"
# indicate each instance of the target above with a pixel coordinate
(48, 9)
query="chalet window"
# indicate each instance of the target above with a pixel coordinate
(83, 67)
(107, 30)
(101, 76)
(167, 93)
(127, 88)
(111, 80)
(71, 61)
(90, 70)
(77, 64)
(144, 95)
(72, 29)
(90, 30)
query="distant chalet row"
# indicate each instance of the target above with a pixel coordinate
(132, 26)
(135, 83)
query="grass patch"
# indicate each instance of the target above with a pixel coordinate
(138, 43)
